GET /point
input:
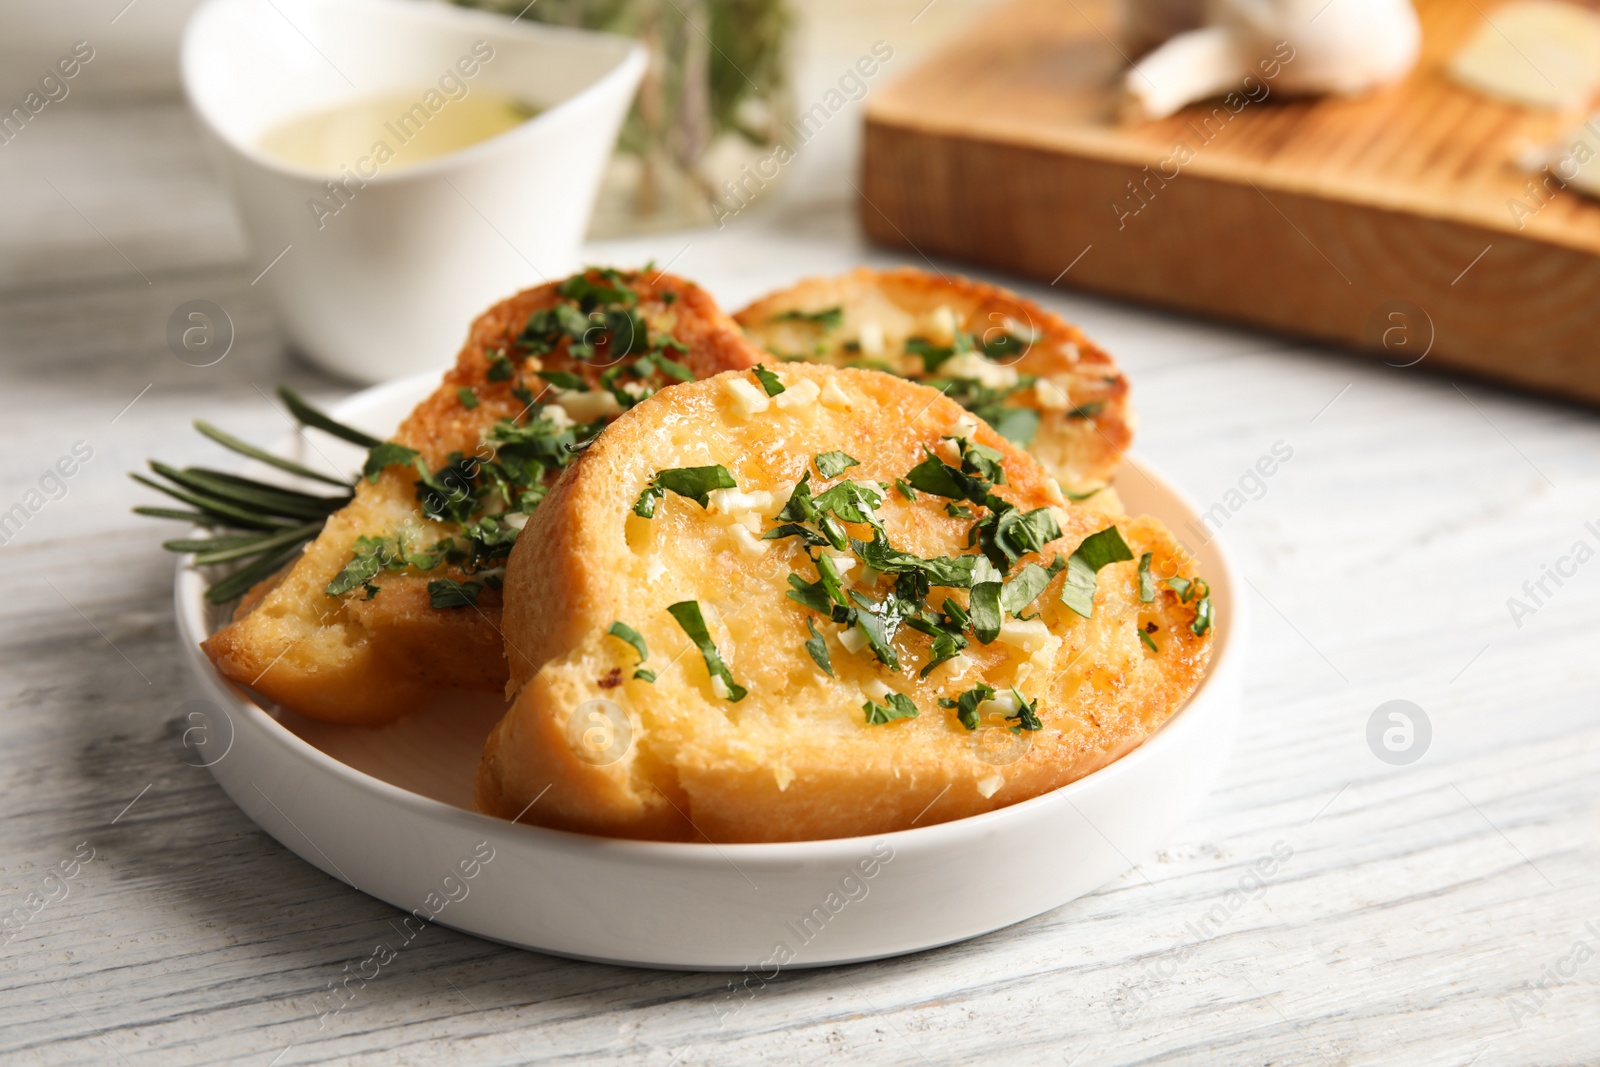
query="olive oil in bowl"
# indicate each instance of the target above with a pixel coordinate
(393, 131)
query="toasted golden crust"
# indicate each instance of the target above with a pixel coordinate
(795, 759)
(1080, 396)
(354, 660)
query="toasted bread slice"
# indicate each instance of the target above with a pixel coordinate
(593, 744)
(381, 647)
(1033, 376)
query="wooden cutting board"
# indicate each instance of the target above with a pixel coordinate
(1390, 222)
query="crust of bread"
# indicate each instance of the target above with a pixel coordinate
(1082, 453)
(795, 759)
(352, 660)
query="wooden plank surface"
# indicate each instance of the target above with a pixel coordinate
(1415, 908)
(1321, 218)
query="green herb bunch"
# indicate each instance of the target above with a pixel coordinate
(717, 68)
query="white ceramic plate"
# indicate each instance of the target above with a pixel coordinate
(388, 811)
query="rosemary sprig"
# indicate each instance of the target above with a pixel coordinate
(228, 441)
(227, 549)
(310, 416)
(257, 524)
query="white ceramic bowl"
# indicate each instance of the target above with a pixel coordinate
(381, 289)
(387, 811)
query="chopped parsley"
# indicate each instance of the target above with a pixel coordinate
(384, 455)
(833, 464)
(897, 706)
(603, 311)
(813, 595)
(1024, 588)
(468, 398)
(1097, 550)
(952, 571)
(827, 318)
(374, 555)
(687, 613)
(1007, 344)
(967, 704)
(1015, 424)
(449, 593)
(1147, 585)
(800, 508)
(844, 502)
(564, 380)
(500, 368)
(948, 640)
(667, 366)
(794, 529)
(850, 502)
(934, 475)
(1202, 610)
(1149, 642)
(985, 611)
(1187, 590)
(696, 483)
(1008, 533)
(933, 356)
(878, 621)
(1104, 547)
(818, 647)
(981, 460)
(623, 632)
(769, 381)
(1027, 716)
(590, 294)
(448, 494)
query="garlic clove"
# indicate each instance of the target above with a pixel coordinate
(1539, 53)
(1256, 47)
(1192, 66)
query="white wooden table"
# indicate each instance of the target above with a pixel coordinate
(1443, 912)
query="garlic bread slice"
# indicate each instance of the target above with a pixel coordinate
(399, 595)
(803, 602)
(1029, 373)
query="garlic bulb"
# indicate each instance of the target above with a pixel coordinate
(1300, 46)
